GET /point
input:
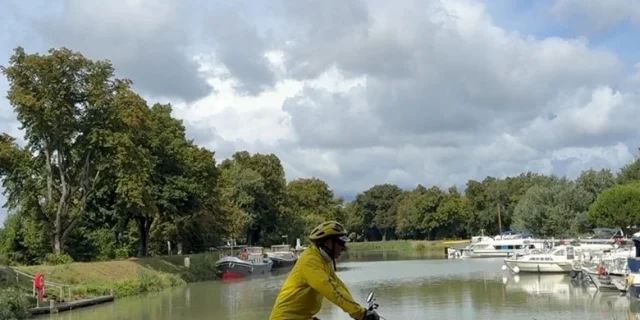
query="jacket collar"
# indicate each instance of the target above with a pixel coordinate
(324, 254)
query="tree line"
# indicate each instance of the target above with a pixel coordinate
(102, 174)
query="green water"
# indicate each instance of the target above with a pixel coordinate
(405, 289)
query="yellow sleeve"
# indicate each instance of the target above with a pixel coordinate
(331, 288)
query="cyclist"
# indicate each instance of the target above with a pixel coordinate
(314, 278)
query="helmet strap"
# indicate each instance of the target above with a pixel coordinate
(330, 252)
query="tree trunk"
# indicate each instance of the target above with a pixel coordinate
(57, 239)
(144, 225)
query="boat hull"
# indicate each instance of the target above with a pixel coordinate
(474, 254)
(238, 269)
(539, 266)
(282, 263)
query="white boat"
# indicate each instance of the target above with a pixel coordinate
(492, 248)
(559, 259)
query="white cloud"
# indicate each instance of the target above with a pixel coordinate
(371, 92)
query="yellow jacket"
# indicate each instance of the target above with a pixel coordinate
(311, 280)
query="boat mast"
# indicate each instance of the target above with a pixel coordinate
(499, 215)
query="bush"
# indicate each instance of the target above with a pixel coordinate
(53, 259)
(202, 268)
(14, 305)
(122, 253)
(105, 242)
(4, 260)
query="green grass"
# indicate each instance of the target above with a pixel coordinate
(404, 246)
(127, 277)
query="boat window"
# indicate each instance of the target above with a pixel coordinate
(560, 252)
(570, 251)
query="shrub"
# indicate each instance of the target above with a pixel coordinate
(122, 253)
(4, 260)
(57, 259)
(14, 304)
(202, 268)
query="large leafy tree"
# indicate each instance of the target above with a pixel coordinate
(377, 209)
(254, 186)
(309, 202)
(617, 207)
(98, 157)
(62, 101)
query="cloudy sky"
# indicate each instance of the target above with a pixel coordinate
(365, 92)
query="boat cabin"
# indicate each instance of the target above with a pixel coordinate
(255, 254)
(514, 247)
(565, 251)
(281, 248)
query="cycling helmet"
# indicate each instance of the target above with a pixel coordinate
(329, 229)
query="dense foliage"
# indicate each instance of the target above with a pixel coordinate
(104, 175)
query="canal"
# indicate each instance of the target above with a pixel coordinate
(405, 289)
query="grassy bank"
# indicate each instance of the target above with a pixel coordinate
(137, 276)
(405, 246)
(128, 277)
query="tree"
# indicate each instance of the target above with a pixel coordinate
(255, 184)
(617, 207)
(377, 205)
(595, 182)
(630, 173)
(451, 216)
(62, 101)
(552, 211)
(309, 202)
(411, 209)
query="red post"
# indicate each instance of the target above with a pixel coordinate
(38, 281)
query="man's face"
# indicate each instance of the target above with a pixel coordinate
(338, 247)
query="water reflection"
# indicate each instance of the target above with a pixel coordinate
(452, 289)
(387, 256)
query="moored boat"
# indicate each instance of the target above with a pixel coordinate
(560, 259)
(492, 248)
(251, 262)
(282, 256)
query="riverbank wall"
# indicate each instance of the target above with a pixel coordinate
(409, 247)
(128, 277)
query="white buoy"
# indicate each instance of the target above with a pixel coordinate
(505, 280)
(504, 267)
(516, 278)
(516, 270)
